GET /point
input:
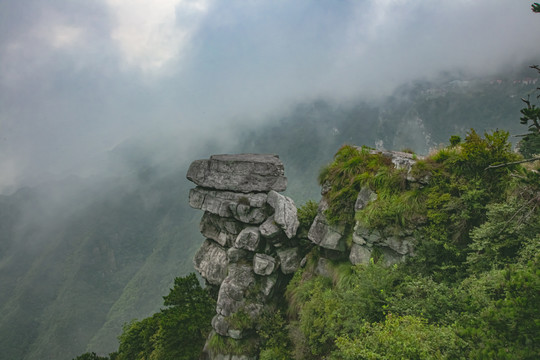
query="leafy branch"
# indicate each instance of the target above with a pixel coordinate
(512, 163)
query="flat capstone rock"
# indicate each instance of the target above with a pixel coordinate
(239, 173)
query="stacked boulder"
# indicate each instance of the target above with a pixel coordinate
(250, 241)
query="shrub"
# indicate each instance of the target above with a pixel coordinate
(405, 337)
(273, 333)
(229, 346)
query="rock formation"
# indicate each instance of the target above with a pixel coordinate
(391, 244)
(250, 246)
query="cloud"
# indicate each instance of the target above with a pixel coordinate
(78, 78)
(148, 33)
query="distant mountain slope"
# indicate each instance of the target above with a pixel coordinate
(66, 278)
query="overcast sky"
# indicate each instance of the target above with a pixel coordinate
(78, 77)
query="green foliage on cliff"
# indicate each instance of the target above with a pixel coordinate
(473, 289)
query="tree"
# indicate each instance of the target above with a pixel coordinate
(184, 325)
(177, 332)
(530, 144)
(91, 356)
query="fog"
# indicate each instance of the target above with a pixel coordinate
(79, 78)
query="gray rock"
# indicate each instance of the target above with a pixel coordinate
(239, 173)
(243, 357)
(232, 289)
(357, 239)
(263, 264)
(268, 283)
(421, 179)
(324, 234)
(254, 310)
(235, 255)
(323, 268)
(235, 334)
(247, 208)
(400, 159)
(211, 262)
(365, 196)
(220, 325)
(248, 239)
(325, 188)
(222, 230)
(390, 257)
(289, 260)
(359, 254)
(402, 246)
(269, 229)
(247, 214)
(362, 235)
(285, 214)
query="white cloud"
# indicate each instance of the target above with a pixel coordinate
(150, 33)
(62, 35)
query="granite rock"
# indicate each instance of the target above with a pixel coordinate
(248, 239)
(285, 213)
(289, 260)
(247, 208)
(232, 289)
(359, 254)
(365, 196)
(222, 230)
(263, 264)
(269, 229)
(239, 172)
(323, 233)
(211, 262)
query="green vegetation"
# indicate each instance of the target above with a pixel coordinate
(176, 332)
(351, 169)
(401, 337)
(530, 144)
(471, 292)
(226, 345)
(91, 356)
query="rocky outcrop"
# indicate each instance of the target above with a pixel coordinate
(392, 245)
(250, 230)
(251, 246)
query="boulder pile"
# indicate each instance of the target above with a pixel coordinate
(250, 244)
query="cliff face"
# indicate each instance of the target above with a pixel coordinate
(250, 245)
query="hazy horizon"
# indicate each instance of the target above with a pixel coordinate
(79, 78)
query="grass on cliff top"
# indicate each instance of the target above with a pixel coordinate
(453, 171)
